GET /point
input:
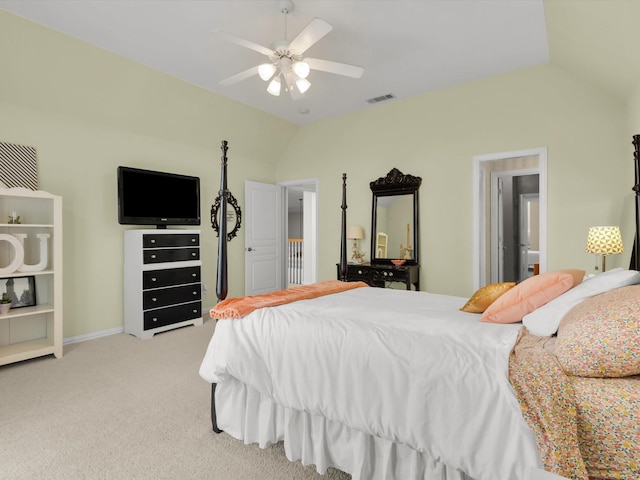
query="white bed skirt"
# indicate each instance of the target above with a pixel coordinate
(246, 414)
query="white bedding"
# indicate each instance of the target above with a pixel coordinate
(404, 366)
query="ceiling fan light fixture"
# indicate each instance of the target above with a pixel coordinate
(303, 84)
(301, 69)
(274, 87)
(266, 71)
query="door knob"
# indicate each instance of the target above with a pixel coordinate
(249, 249)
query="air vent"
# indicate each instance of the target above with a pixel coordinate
(381, 98)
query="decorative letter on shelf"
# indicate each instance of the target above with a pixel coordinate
(44, 253)
(17, 262)
(18, 253)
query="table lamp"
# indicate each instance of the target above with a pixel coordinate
(604, 241)
(355, 234)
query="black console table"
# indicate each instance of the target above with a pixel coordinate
(379, 275)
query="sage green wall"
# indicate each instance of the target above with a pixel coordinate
(436, 135)
(87, 111)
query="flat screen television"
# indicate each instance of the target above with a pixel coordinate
(146, 197)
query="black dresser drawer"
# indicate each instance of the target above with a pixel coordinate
(380, 275)
(170, 255)
(170, 315)
(168, 277)
(173, 240)
(170, 296)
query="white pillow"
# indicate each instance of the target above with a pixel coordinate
(544, 321)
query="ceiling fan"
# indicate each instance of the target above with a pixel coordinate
(286, 63)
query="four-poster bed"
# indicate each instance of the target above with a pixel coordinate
(395, 384)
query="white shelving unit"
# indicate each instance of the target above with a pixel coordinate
(34, 331)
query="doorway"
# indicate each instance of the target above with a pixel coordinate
(509, 216)
(301, 227)
(514, 238)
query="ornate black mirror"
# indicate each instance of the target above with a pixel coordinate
(394, 218)
(234, 215)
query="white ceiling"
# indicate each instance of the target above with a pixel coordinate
(407, 47)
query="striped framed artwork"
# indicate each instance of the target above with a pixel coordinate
(18, 166)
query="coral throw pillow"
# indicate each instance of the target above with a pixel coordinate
(485, 296)
(530, 294)
(600, 337)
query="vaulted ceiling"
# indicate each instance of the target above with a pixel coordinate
(406, 47)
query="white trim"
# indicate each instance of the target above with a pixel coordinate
(479, 262)
(93, 335)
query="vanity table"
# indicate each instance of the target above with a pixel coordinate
(395, 233)
(380, 275)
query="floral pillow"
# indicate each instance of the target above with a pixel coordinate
(600, 337)
(544, 321)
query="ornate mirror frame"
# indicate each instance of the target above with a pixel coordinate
(396, 184)
(234, 216)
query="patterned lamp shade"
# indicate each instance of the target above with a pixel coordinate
(604, 241)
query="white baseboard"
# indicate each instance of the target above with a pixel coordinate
(93, 335)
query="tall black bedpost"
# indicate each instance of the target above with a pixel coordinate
(343, 231)
(635, 256)
(222, 282)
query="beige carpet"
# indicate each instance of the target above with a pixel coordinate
(122, 408)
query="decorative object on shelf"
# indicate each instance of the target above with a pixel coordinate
(18, 254)
(604, 241)
(14, 219)
(44, 252)
(398, 261)
(356, 233)
(18, 166)
(5, 303)
(20, 290)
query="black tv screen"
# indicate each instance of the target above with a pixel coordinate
(146, 197)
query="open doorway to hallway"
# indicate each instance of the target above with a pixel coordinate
(302, 235)
(510, 216)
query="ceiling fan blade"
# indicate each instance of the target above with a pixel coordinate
(238, 77)
(244, 43)
(314, 31)
(345, 69)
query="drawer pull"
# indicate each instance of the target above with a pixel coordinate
(195, 311)
(155, 319)
(359, 272)
(193, 240)
(153, 241)
(154, 279)
(193, 275)
(153, 256)
(195, 293)
(154, 299)
(391, 274)
(193, 254)
(385, 274)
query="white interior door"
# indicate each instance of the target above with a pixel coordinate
(264, 238)
(497, 230)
